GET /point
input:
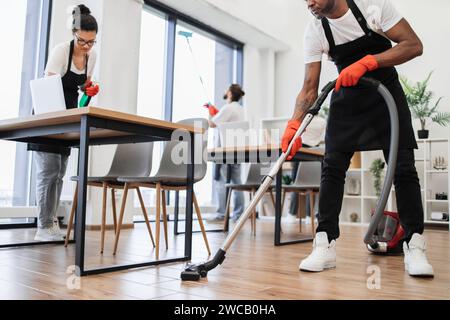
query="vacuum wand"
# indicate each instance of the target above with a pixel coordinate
(195, 272)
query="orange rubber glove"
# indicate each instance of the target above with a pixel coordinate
(212, 109)
(92, 91)
(289, 133)
(350, 76)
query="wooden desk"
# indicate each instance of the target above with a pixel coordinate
(80, 128)
(264, 154)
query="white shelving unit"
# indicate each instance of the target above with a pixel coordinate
(432, 181)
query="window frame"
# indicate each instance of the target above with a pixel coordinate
(36, 47)
(172, 17)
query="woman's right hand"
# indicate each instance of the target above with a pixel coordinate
(91, 90)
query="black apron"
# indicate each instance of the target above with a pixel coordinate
(359, 118)
(70, 82)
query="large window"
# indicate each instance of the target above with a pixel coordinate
(183, 65)
(151, 65)
(203, 70)
(11, 60)
(24, 35)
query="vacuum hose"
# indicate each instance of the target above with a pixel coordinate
(195, 272)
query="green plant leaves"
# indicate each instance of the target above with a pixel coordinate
(419, 99)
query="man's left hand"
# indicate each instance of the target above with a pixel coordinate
(350, 76)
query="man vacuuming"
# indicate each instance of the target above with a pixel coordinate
(356, 35)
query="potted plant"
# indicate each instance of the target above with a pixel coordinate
(377, 169)
(419, 100)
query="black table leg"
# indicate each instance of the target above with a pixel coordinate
(227, 190)
(80, 227)
(278, 205)
(189, 199)
(176, 213)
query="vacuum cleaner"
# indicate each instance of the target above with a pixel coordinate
(384, 233)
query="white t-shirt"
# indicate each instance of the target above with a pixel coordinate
(59, 57)
(232, 112)
(315, 133)
(380, 15)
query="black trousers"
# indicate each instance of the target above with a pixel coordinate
(407, 190)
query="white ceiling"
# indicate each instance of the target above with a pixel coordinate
(216, 17)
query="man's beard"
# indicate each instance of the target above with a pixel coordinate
(329, 7)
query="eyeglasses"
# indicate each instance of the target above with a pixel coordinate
(83, 42)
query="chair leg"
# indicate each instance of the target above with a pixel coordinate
(72, 216)
(114, 210)
(311, 213)
(283, 197)
(254, 214)
(299, 212)
(158, 217)
(251, 216)
(103, 226)
(272, 197)
(200, 221)
(144, 212)
(164, 210)
(227, 209)
(122, 211)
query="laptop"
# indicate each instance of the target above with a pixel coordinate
(47, 94)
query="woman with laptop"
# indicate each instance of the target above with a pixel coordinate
(74, 61)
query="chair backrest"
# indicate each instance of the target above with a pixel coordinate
(234, 134)
(308, 174)
(253, 174)
(169, 166)
(132, 160)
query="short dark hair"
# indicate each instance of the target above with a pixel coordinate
(83, 20)
(236, 92)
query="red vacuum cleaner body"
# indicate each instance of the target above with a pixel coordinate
(389, 234)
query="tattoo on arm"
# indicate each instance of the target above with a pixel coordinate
(303, 104)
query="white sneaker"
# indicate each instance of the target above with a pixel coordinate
(49, 234)
(290, 219)
(57, 228)
(416, 263)
(323, 255)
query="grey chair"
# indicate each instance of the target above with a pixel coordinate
(170, 177)
(252, 183)
(307, 183)
(129, 159)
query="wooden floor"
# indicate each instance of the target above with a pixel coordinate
(254, 269)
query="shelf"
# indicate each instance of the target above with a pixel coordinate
(352, 197)
(430, 179)
(436, 222)
(438, 201)
(432, 140)
(437, 171)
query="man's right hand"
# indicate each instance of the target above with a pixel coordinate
(289, 133)
(212, 109)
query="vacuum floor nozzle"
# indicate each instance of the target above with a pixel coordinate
(190, 276)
